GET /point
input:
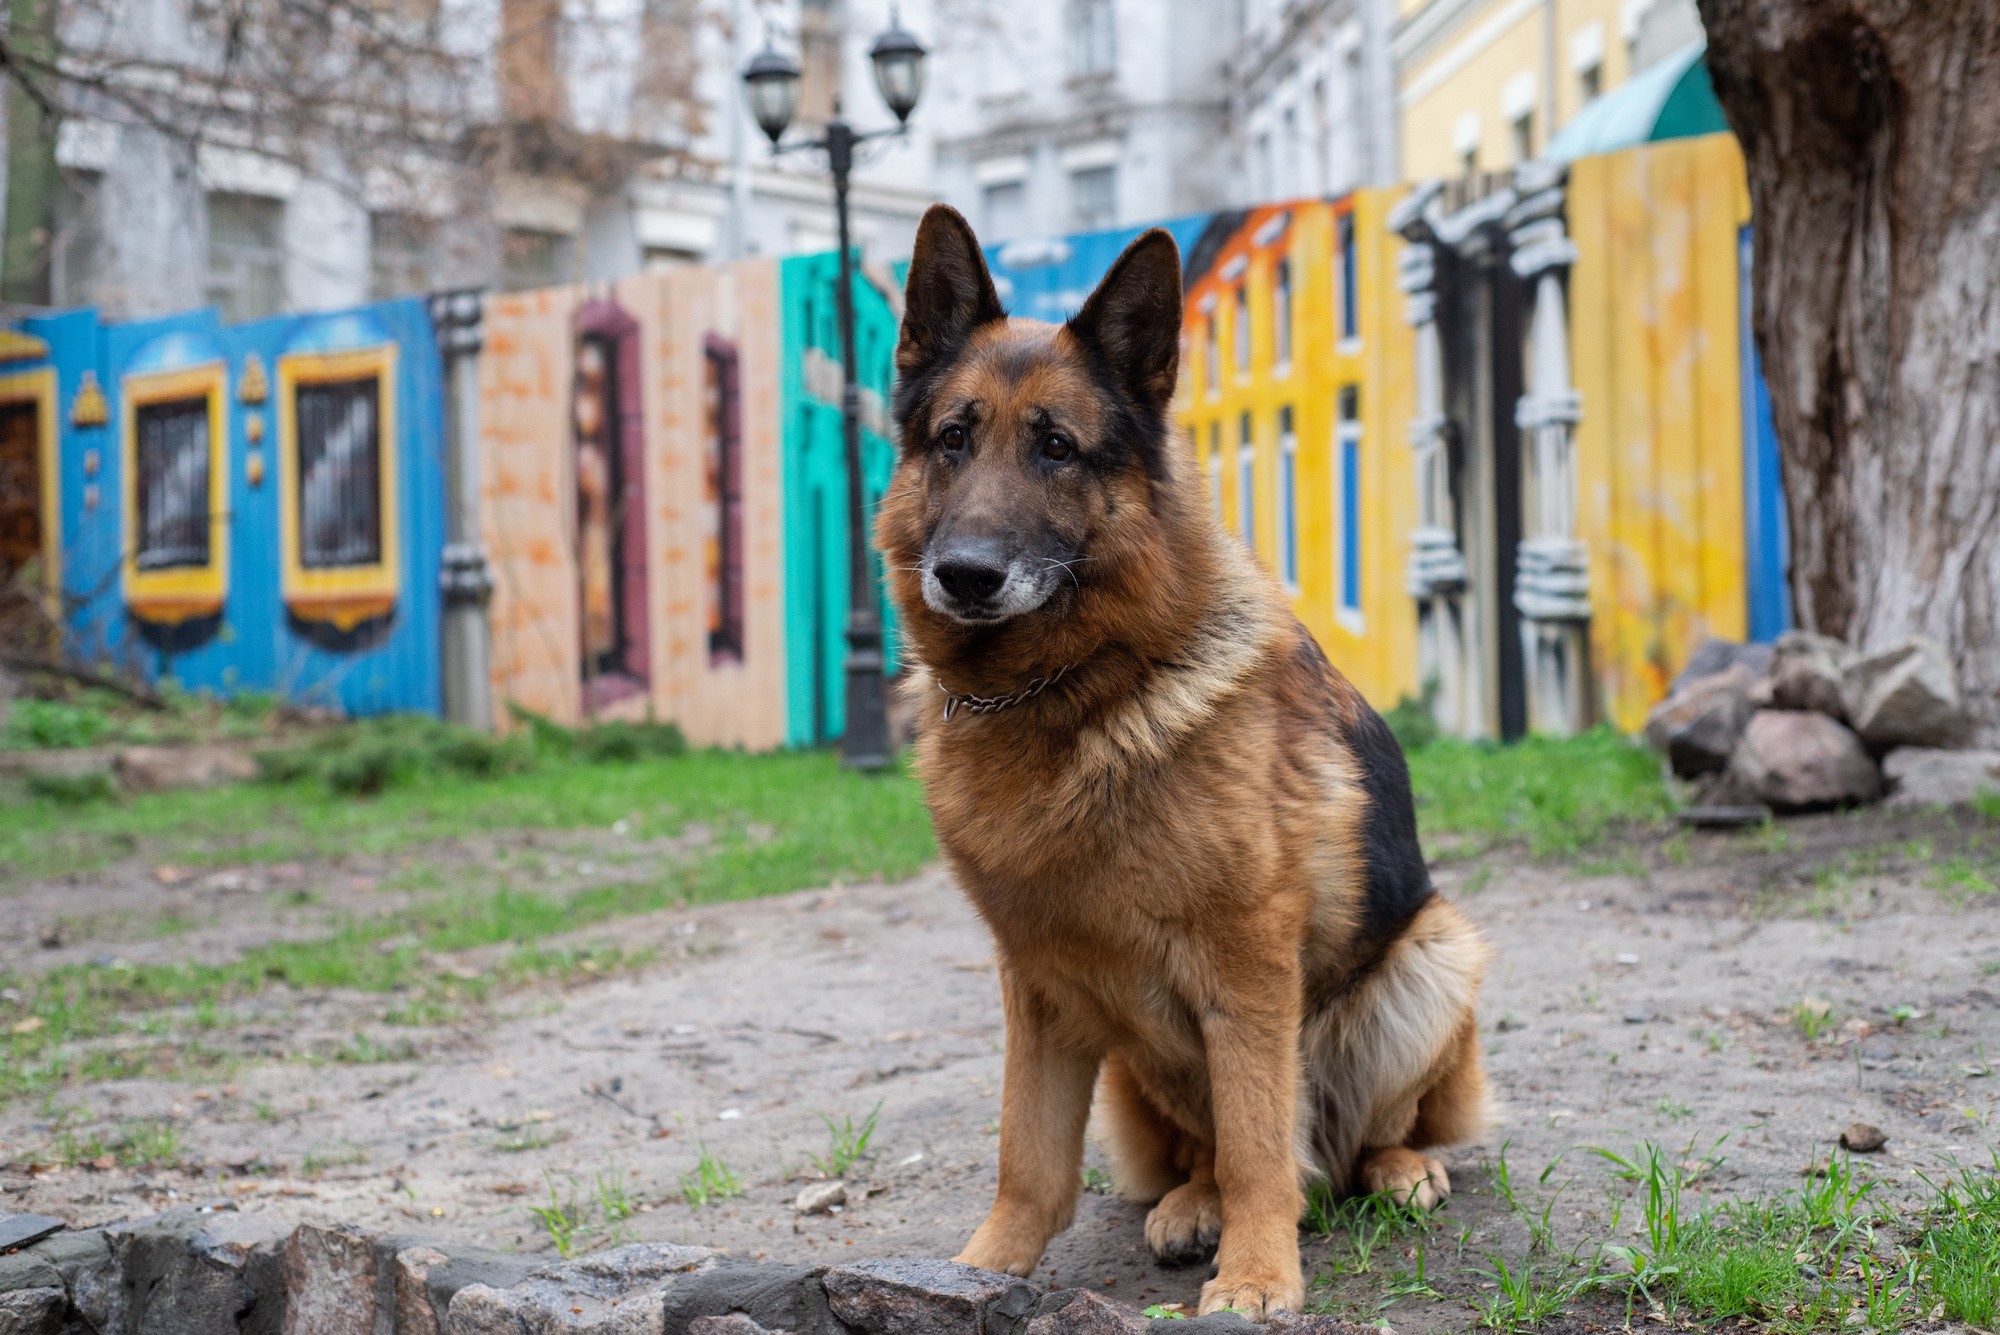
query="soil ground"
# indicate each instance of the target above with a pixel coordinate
(1736, 999)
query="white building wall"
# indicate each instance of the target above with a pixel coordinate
(1015, 111)
(1312, 111)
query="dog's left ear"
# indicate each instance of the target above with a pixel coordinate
(1134, 317)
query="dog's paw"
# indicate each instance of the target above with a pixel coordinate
(1257, 1297)
(1406, 1177)
(1185, 1226)
(1003, 1248)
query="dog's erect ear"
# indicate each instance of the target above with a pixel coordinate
(948, 294)
(1134, 317)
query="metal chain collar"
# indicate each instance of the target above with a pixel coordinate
(993, 704)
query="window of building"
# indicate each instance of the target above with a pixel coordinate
(399, 254)
(173, 490)
(1005, 204)
(531, 259)
(1349, 270)
(1288, 499)
(79, 249)
(723, 491)
(1242, 329)
(1348, 442)
(340, 473)
(1246, 484)
(1281, 313)
(246, 255)
(1093, 198)
(1590, 82)
(1521, 136)
(1093, 37)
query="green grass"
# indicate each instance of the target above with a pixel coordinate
(846, 1142)
(1559, 796)
(825, 821)
(581, 1218)
(710, 1181)
(776, 823)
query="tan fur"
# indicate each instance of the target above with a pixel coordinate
(1168, 847)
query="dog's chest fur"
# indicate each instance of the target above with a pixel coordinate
(1126, 867)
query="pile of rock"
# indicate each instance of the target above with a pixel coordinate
(1809, 722)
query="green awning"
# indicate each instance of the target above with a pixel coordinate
(1672, 100)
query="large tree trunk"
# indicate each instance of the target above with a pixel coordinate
(1871, 129)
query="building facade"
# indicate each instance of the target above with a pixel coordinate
(1483, 85)
(1312, 103)
(1061, 116)
(597, 143)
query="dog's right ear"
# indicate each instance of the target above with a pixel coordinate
(948, 294)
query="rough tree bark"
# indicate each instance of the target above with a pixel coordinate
(1871, 129)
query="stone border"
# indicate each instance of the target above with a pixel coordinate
(209, 1270)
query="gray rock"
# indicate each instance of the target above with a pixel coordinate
(1298, 1323)
(1806, 672)
(23, 1230)
(1794, 758)
(190, 1271)
(1083, 1313)
(616, 1293)
(781, 1297)
(155, 769)
(1698, 725)
(32, 1311)
(819, 1197)
(329, 1281)
(919, 1296)
(1905, 696)
(425, 1278)
(25, 1270)
(415, 1315)
(1713, 655)
(734, 1324)
(1923, 776)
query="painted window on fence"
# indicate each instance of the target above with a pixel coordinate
(1242, 329)
(1349, 443)
(1288, 499)
(173, 493)
(340, 473)
(1281, 314)
(1350, 278)
(723, 490)
(609, 430)
(1215, 468)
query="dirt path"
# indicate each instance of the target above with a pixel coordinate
(1664, 1002)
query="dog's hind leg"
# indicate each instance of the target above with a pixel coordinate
(1451, 1106)
(1148, 1157)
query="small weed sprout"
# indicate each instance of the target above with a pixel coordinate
(846, 1142)
(711, 1180)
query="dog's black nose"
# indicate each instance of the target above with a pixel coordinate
(971, 574)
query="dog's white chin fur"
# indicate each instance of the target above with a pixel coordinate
(1022, 593)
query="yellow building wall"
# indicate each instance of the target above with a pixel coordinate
(1377, 649)
(1467, 69)
(1654, 325)
(528, 501)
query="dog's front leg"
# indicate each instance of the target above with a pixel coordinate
(1253, 1070)
(1044, 1103)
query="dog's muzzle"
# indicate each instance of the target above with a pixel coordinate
(977, 582)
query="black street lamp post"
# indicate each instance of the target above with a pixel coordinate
(772, 82)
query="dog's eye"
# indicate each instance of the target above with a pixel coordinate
(1057, 446)
(952, 437)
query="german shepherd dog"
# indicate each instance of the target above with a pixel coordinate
(1192, 839)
